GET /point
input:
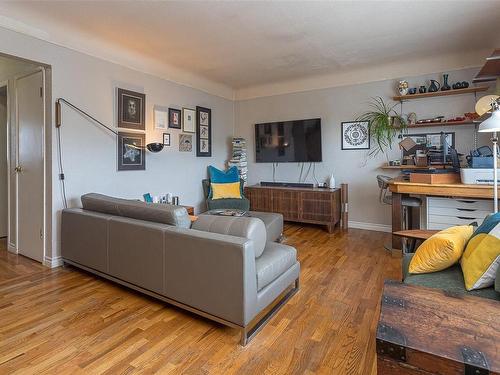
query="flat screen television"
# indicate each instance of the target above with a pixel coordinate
(288, 141)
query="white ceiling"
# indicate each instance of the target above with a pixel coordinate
(242, 45)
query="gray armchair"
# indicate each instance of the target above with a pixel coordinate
(230, 203)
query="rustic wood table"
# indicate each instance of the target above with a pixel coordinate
(423, 331)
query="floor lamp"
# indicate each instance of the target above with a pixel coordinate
(492, 125)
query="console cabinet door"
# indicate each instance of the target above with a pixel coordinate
(317, 206)
(287, 203)
(260, 199)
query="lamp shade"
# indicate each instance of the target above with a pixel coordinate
(492, 124)
(155, 147)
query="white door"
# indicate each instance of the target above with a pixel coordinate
(30, 187)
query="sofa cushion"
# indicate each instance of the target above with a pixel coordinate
(246, 227)
(222, 177)
(481, 258)
(228, 190)
(450, 280)
(274, 261)
(441, 250)
(159, 213)
(273, 223)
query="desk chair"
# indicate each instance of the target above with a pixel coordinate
(407, 202)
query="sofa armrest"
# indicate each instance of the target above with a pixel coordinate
(211, 272)
(84, 238)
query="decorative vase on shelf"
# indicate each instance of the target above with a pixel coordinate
(434, 86)
(445, 86)
(331, 182)
(403, 87)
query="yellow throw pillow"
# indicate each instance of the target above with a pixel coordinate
(481, 258)
(442, 250)
(226, 190)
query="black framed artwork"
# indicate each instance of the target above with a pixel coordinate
(203, 132)
(131, 151)
(131, 109)
(174, 118)
(355, 135)
(166, 139)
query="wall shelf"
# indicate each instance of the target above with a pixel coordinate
(469, 90)
(442, 123)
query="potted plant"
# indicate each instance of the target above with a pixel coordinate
(384, 124)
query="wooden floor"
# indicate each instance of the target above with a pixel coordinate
(64, 321)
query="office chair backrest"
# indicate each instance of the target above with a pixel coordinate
(383, 184)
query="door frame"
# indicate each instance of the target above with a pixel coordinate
(7, 124)
(46, 260)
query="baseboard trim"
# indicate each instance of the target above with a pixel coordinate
(370, 226)
(52, 262)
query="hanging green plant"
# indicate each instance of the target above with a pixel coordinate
(384, 124)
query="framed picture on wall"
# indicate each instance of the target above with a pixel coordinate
(160, 118)
(355, 135)
(166, 139)
(188, 120)
(174, 118)
(131, 151)
(131, 109)
(203, 132)
(185, 142)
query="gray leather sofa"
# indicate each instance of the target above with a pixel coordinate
(222, 268)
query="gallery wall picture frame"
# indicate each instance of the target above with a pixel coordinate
(188, 120)
(185, 142)
(355, 135)
(203, 132)
(174, 118)
(131, 151)
(166, 139)
(160, 118)
(131, 109)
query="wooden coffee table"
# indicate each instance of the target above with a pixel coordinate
(423, 331)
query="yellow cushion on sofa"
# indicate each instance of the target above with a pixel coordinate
(226, 190)
(442, 250)
(481, 258)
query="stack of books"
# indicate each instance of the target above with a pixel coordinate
(239, 157)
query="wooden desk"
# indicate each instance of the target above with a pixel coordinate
(399, 187)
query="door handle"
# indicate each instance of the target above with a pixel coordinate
(18, 169)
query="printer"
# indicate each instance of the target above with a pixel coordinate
(480, 171)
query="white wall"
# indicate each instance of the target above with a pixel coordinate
(3, 164)
(90, 152)
(345, 103)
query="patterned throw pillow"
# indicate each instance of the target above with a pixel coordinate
(481, 258)
(222, 177)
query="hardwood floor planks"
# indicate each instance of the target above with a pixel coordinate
(64, 321)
